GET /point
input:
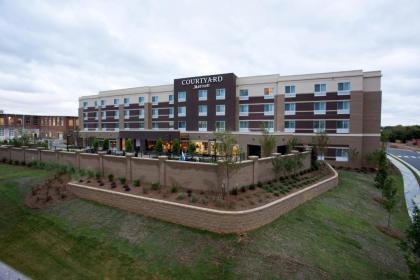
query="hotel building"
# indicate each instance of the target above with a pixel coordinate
(345, 105)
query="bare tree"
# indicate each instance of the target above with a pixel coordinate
(268, 143)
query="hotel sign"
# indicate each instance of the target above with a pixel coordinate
(202, 82)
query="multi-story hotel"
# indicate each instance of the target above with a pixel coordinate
(345, 105)
(38, 127)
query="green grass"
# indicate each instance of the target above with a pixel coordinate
(332, 236)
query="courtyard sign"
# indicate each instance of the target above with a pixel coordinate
(203, 80)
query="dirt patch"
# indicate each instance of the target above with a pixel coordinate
(378, 199)
(390, 232)
(50, 192)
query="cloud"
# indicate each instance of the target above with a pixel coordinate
(52, 52)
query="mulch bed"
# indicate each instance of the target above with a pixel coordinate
(390, 232)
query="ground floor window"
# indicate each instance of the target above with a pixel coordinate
(341, 154)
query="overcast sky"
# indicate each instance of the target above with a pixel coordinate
(52, 53)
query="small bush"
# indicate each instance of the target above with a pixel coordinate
(122, 180)
(193, 198)
(234, 191)
(243, 189)
(90, 174)
(98, 175)
(180, 196)
(136, 183)
(155, 186)
(218, 202)
(276, 193)
(252, 187)
(110, 177)
(231, 205)
(16, 162)
(259, 184)
(174, 188)
(204, 201)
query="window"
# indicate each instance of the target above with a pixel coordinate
(117, 115)
(141, 125)
(182, 111)
(117, 126)
(202, 126)
(96, 104)
(289, 126)
(290, 91)
(103, 104)
(343, 107)
(268, 109)
(220, 125)
(202, 94)
(155, 113)
(171, 112)
(126, 114)
(182, 125)
(85, 116)
(343, 88)
(320, 108)
(268, 93)
(103, 115)
(269, 125)
(243, 94)
(319, 126)
(1, 131)
(85, 104)
(141, 113)
(320, 89)
(11, 133)
(182, 96)
(171, 125)
(202, 110)
(243, 110)
(155, 125)
(155, 100)
(116, 102)
(343, 126)
(126, 126)
(220, 110)
(141, 100)
(103, 126)
(243, 126)
(171, 99)
(126, 101)
(220, 94)
(341, 154)
(290, 108)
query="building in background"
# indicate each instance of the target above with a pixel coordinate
(345, 105)
(38, 127)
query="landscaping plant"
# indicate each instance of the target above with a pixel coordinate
(389, 195)
(175, 147)
(268, 143)
(411, 245)
(159, 146)
(129, 146)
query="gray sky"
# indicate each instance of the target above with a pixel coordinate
(52, 52)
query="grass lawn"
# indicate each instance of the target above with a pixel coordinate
(333, 236)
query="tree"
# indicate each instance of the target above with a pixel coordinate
(225, 143)
(95, 145)
(175, 147)
(389, 193)
(291, 144)
(129, 146)
(411, 245)
(289, 165)
(105, 145)
(320, 143)
(314, 159)
(191, 149)
(382, 173)
(159, 146)
(278, 165)
(268, 143)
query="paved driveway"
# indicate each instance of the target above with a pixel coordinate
(411, 157)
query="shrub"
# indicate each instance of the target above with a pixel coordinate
(180, 196)
(218, 202)
(97, 175)
(16, 162)
(122, 180)
(174, 188)
(204, 201)
(4, 160)
(136, 183)
(252, 187)
(259, 184)
(231, 205)
(110, 177)
(155, 186)
(276, 193)
(234, 191)
(193, 198)
(243, 189)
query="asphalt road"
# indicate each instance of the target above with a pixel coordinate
(411, 157)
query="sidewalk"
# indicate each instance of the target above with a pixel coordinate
(411, 186)
(8, 273)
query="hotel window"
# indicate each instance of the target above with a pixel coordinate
(343, 126)
(103, 103)
(141, 125)
(268, 93)
(155, 100)
(11, 133)
(319, 126)
(103, 115)
(202, 94)
(141, 113)
(202, 110)
(220, 94)
(126, 114)
(182, 125)
(117, 115)
(220, 125)
(141, 100)
(155, 113)
(343, 107)
(85, 116)
(289, 126)
(268, 109)
(171, 125)
(1, 131)
(320, 89)
(85, 104)
(289, 91)
(117, 126)
(126, 126)
(116, 102)
(243, 126)
(343, 88)
(341, 154)
(290, 108)
(96, 104)
(182, 96)
(171, 99)
(171, 112)
(182, 111)
(202, 126)
(243, 110)
(95, 115)
(269, 125)
(320, 108)
(126, 101)
(103, 126)
(155, 125)
(243, 94)
(220, 110)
